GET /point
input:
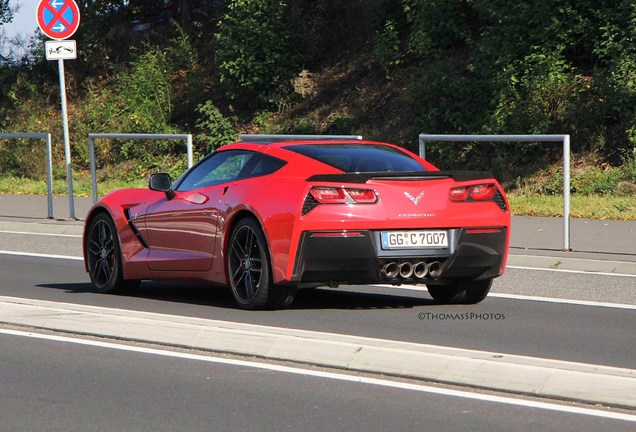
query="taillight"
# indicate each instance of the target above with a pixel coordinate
(328, 195)
(459, 194)
(482, 192)
(339, 195)
(363, 196)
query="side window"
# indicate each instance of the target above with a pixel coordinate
(221, 167)
(261, 165)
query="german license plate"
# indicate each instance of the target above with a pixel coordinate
(414, 239)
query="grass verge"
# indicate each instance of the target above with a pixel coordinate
(529, 204)
(582, 206)
(81, 186)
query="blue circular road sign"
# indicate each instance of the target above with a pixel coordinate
(58, 19)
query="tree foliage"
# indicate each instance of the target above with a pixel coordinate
(551, 66)
(462, 66)
(215, 128)
(255, 52)
(6, 13)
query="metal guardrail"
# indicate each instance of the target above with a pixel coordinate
(94, 136)
(49, 164)
(565, 139)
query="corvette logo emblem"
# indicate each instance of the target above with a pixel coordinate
(414, 199)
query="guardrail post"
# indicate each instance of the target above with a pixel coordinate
(422, 147)
(518, 138)
(91, 152)
(189, 150)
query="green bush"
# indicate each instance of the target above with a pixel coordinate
(23, 158)
(588, 176)
(386, 48)
(452, 100)
(255, 52)
(215, 129)
(140, 99)
(436, 25)
(144, 93)
(538, 94)
(494, 66)
(265, 121)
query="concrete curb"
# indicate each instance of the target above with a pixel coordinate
(509, 373)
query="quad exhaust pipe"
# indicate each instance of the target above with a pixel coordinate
(435, 269)
(420, 269)
(406, 269)
(390, 270)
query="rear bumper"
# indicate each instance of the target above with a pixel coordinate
(357, 257)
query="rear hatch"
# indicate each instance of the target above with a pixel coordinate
(423, 199)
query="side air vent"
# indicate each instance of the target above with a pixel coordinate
(499, 200)
(309, 204)
(134, 228)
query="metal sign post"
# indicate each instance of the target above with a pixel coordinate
(59, 20)
(67, 143)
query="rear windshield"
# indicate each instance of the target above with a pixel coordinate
(352, 158)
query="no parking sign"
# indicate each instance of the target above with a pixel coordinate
(58, 19)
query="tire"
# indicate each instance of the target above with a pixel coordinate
(464, 291)
(103, 257)
(249, 270)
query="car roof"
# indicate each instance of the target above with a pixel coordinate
(270, 139)
(265, 142)
(279, 145)
(274, 148)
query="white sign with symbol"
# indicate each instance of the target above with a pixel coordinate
(61, 50)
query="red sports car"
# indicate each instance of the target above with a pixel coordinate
(267, 217)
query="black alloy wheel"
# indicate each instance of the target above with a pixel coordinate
(249, 271)
(103, 257)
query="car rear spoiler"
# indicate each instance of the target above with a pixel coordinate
(406, 176)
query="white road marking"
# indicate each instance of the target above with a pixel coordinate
(336, 376)
(594, 273)
(39, 255)
(40, 234)
(563, 301)
(528, 298)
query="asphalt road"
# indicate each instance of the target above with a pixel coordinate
(68, 387)
(573, 332)
(60, 386)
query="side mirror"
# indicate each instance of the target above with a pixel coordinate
(161, 182)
